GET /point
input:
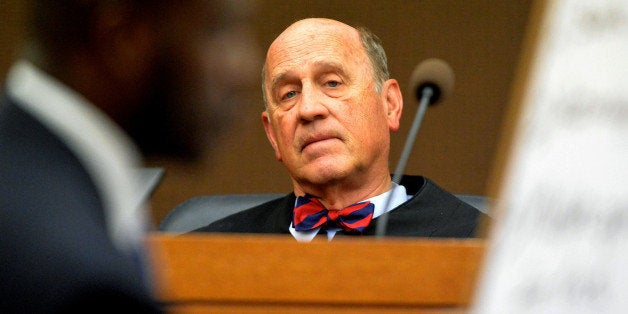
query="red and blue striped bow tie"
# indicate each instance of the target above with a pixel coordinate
(310, 214)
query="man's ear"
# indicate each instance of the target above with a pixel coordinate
(393, 100)
(270, 134)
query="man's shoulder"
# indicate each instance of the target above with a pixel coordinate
(27, 145)
(14, 118)
(33, 161)
(258, 219)
(432, 211)
(428, 192)
(20, 129)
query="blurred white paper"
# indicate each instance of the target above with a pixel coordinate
(561, 244)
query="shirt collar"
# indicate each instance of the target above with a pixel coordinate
(103, 148)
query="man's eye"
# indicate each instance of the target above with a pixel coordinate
(289, 95)
(333, 84)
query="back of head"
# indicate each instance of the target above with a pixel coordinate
(155, 67)
(60, 26)
(58, 29)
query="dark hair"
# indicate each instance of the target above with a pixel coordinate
(58, 26)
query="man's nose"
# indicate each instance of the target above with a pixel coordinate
(312, 105)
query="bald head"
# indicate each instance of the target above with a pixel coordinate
(307, 29)
(330, 32)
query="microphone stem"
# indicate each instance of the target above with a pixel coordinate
(426, 95)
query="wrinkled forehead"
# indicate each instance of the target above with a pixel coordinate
(315, 41)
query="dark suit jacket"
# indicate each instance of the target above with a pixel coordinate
(55, 251)
(431, 212)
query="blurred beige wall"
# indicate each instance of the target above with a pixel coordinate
(481, 39)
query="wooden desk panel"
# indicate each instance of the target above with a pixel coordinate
(257, 273)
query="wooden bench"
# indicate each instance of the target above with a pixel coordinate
(261, 273)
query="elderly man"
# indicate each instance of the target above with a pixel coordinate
(330, 108)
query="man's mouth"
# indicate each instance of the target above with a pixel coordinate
(316, 139)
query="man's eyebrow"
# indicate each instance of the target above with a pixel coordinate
(279, 78)
(321, 66)
(327, 65)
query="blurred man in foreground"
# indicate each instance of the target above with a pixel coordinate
(330, 108)
(99, 80)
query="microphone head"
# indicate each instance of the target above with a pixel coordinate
(434, 73)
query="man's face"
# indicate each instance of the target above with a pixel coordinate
(325, 119)
(203, 71)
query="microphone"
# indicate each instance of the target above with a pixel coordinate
(431, 81)
(434, 74)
